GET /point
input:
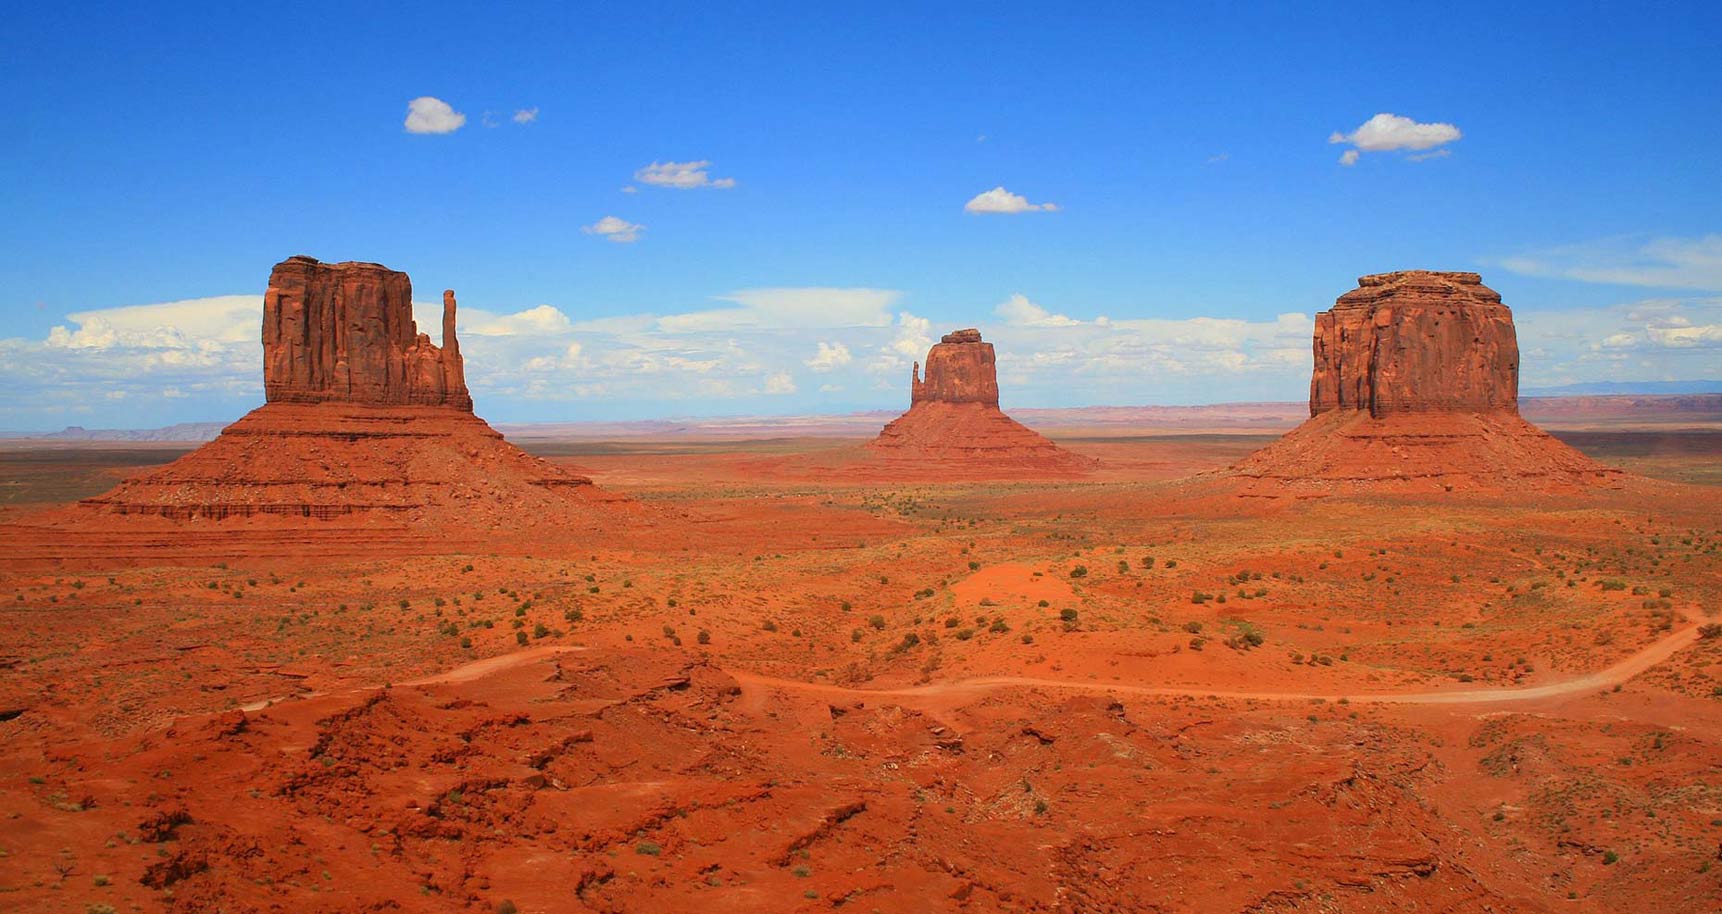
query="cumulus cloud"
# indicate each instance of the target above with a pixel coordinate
(830, 357)
(1676, 263)
(612, 228)
(1018, 311)
(428, 114)
(681, 175)
(999, 200)
(525, 115)
(1391, 132)
(779, 384)
(540, 321)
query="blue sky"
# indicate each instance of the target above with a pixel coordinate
(1201, 211)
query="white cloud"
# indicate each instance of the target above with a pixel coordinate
(611, 228)
(779, 384)
(1389, 132)
(681, 175)
(525, 115)
(830, 357)
(1677, 263)
(1019, 311)
(999, 200)
(428, 114)
(540, 321)
(630, 189)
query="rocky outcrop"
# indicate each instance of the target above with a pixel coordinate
(954, 425)
(1415, 388)
(960, 369)
(1416, 341)
(344, 332)
(365, 418)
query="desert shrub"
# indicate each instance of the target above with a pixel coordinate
(1080, 571)
(998, 626)
(704, 637)
(878, 622)
(1710, 630)
(1193, 627)
(648, 848)
(520, 638)
(1067, 614)
(768, 625)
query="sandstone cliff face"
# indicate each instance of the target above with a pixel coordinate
(960, 369)
(344, 332)
(954, 426)
(1416, 341)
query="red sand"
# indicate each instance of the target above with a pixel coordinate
(759, 692)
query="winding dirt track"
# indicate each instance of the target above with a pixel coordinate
(1620, 672)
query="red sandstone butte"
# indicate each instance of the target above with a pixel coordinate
(344, 332)
(1416, 388)
(365, 416)
(1416, 341)
(954, 423)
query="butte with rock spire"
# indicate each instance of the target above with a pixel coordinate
(1416, 388)
(954, 424)
(364, 418)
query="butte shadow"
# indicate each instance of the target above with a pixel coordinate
(1416, 390)
(365, 420)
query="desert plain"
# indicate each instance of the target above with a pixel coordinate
(752, 685)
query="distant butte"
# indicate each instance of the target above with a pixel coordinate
(1416, 388)
(363, 416)
(954, 423)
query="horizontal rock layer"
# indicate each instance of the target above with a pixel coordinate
(328, 460)
(1342, 450)
(1416, 341)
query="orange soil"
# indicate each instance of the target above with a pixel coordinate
(758, 690)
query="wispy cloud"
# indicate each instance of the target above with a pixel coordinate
(614, 228)
(681, 176)
(428, 114)
(525, 115)
(1674, 263)
(1391, 132)
(999, 200)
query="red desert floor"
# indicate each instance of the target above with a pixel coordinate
(762, 684)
